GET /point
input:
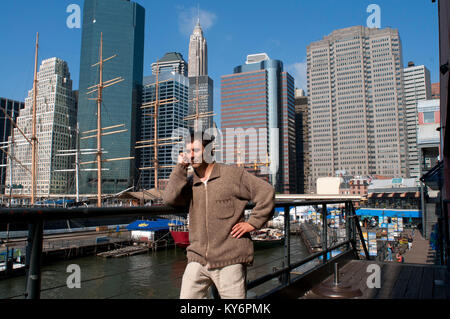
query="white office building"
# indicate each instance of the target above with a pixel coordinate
(55, 130)
(417, 87)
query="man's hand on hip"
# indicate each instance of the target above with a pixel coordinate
(240, 229)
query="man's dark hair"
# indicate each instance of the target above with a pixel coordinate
(205, 137)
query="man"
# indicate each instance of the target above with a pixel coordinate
(220, 244)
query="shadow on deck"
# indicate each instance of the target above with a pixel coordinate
(397, 281)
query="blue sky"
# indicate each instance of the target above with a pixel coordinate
(233, 29)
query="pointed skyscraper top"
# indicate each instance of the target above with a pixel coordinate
(197, 52)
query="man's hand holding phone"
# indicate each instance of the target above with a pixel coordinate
(183, 159)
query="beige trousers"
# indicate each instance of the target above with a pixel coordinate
(229, 280)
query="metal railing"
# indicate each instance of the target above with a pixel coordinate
(36, 216)
(353, 230)
(443, 224)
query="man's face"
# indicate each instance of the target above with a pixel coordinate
(195, 153)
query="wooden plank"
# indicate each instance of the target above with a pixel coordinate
(414, 283)
(345, 273)
(389, 274)
(438, 290)
(399, 289)
(427, 283)
(359, 278)
(370, 293)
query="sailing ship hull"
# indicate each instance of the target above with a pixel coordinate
(181, 238)
(268, 243)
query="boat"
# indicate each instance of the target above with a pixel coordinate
(12, 265)
(262, 238)
(180, 235)
(267, 238)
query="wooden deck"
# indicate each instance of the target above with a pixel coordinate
(420, 252)
(398, 281)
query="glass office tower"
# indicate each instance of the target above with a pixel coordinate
(259, 97)
(12, 109)
(170, 118)
(173, 92)
(122, 24)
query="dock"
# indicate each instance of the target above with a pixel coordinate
(76, 244)
(126, 251)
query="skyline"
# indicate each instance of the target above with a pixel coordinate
(232, 29)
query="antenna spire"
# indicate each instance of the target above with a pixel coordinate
(198, 13)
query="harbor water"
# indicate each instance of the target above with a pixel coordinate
(150, 275)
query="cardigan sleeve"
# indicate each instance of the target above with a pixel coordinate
(178, 191)
(262, 194)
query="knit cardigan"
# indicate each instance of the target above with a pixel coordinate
(215, 207)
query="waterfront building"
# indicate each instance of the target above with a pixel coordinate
(12, 109)
(435, 91)
(173, 87)
(55, 127)
(201, 86)
(302, 141)
(417, 87)
(257, 100)
(428, 136)
(395, 193)
(355, 103)
(429, 146)
(122, 24)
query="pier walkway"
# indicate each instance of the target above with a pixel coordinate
(398, 281)
(421, 251)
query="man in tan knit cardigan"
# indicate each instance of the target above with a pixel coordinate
(220, 244)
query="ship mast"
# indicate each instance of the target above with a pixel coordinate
(99, 125)
(156, 140)
(197, 115)
(99, 131)
(33, 136)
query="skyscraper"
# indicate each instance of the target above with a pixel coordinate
(258, 100)
(198, 57)
(417, 87)
(173, 89)
(12, 109)
(200, 84)
(122, 24)
(302, 141)
(55, 127)
(171, 62)
(356, 103)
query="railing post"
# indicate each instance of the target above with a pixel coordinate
(347, 223)
(287, 245)
(324, 232)
(34, 253)
(358, 229)
(441, 239)
(446, 231)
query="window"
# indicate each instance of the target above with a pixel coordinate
(428, 117)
